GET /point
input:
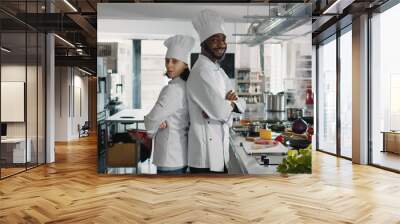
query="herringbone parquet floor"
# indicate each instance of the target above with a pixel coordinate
(70, 191)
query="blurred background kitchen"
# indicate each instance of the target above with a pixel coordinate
(51, 47)
(268, 59)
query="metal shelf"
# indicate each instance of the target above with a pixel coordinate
(248, 81)
(249, 94)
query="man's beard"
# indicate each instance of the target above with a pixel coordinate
(219, 58)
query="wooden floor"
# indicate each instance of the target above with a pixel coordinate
(70, 191)
(8, 171)
(387, 159)
(5, 172)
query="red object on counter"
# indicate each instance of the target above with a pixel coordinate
(310, 133)
(280, 138)
(141, 136)
(309, 97)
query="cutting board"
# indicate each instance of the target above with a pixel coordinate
(251, 148)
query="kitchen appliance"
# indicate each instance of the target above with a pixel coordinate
(279, 21)
(275, 116)
(268, 100)
(294, 113)
(279, 102)
(275, 102)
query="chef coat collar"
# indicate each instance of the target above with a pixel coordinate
(213, 65)
(175, 80)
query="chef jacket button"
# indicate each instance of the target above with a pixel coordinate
(210, 139)
(208, 122)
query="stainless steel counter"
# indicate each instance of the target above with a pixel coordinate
(243, 163)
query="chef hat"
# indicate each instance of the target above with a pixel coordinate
(179, 47)
(208, 23)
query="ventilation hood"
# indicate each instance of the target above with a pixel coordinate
(276, 25)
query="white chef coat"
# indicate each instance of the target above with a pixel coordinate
(170, 144)
(207, 87)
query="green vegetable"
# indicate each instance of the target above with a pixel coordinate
(297, 162)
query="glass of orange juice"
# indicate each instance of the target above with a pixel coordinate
(266, 134)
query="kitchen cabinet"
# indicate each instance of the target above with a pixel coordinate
(391, 142)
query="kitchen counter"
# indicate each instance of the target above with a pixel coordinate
(128, 116)
(243, 163)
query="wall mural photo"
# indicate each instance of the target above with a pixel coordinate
(188, 89)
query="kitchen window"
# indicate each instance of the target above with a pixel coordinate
(334, 94)
(385, 89)
(327, 96)
(152, 71)
(346, 93)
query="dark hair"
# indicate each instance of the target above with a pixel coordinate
(184, 76)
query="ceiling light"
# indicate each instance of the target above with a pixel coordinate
(86, 72)
(338, 6)
(5, 50)
(70, 5)
(65, 41)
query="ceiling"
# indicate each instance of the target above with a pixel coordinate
(81, 26)
(233, 13)
(19, 54)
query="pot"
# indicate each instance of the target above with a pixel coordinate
(279, 102)
(294, 113)
(268, 100)
(275, 103)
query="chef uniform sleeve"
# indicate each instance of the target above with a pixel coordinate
(205, 93)
(240, 106)
(165, 106)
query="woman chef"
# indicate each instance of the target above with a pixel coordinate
(168, 121)
(211, 99)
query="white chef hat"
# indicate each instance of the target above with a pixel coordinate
(179, 47)
(208, 23)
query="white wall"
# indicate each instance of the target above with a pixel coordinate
(61, 103)
(16, 73)
(33, 126)
(69, 82)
